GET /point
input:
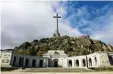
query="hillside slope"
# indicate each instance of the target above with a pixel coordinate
(71, 46)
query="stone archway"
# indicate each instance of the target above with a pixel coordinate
(33, 63)
(20, 62)
(26, 62)
(110, 59)
(77, 63)
(41, 63)
(55, 62)
(90, 62)
(70, 63)
(84, 62)
(14, 61)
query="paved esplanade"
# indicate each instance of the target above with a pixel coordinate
(56, 72)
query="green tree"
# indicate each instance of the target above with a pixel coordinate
(32, 51)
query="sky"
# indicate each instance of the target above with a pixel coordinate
(23, 21)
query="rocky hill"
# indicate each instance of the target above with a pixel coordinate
(71, 46)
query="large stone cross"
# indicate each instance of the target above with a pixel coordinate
(57, 22)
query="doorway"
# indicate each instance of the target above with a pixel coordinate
(41, 63)
(70, 63)
(26, 62)
(56, 63)
(33, 63)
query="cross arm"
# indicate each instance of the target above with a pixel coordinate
(56, 16)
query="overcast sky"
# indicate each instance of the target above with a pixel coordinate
(26, 21)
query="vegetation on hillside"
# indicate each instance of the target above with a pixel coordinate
(71, 46)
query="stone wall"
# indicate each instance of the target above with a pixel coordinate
(5, 58)
(60, 59)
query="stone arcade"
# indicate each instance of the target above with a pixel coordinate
(57, 58)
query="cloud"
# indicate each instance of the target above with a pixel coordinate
(97, 22)
(26, 21)
(105, 34)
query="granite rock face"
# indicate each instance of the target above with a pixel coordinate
(71, 45)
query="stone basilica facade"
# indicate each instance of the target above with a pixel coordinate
(57, 58)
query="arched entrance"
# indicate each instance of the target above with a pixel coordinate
(33, 63)
(55, 62)
(110, 59)
(20, 62)
(26, 62)
(70, 63)
(77, 63)
(14, 61)
(84, 62)
(90, 62)
(41, 63)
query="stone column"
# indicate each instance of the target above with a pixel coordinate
(93, 62)
(72, 62)
(12, 59)
(30, 62)
(24, 61)
(17, 61)
(66, 62)
(36, 62)
(47, 62)
(44, 62)
(80, 62)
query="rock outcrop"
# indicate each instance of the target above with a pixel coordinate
(71, 46)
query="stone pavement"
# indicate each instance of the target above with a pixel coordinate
(56, 72)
